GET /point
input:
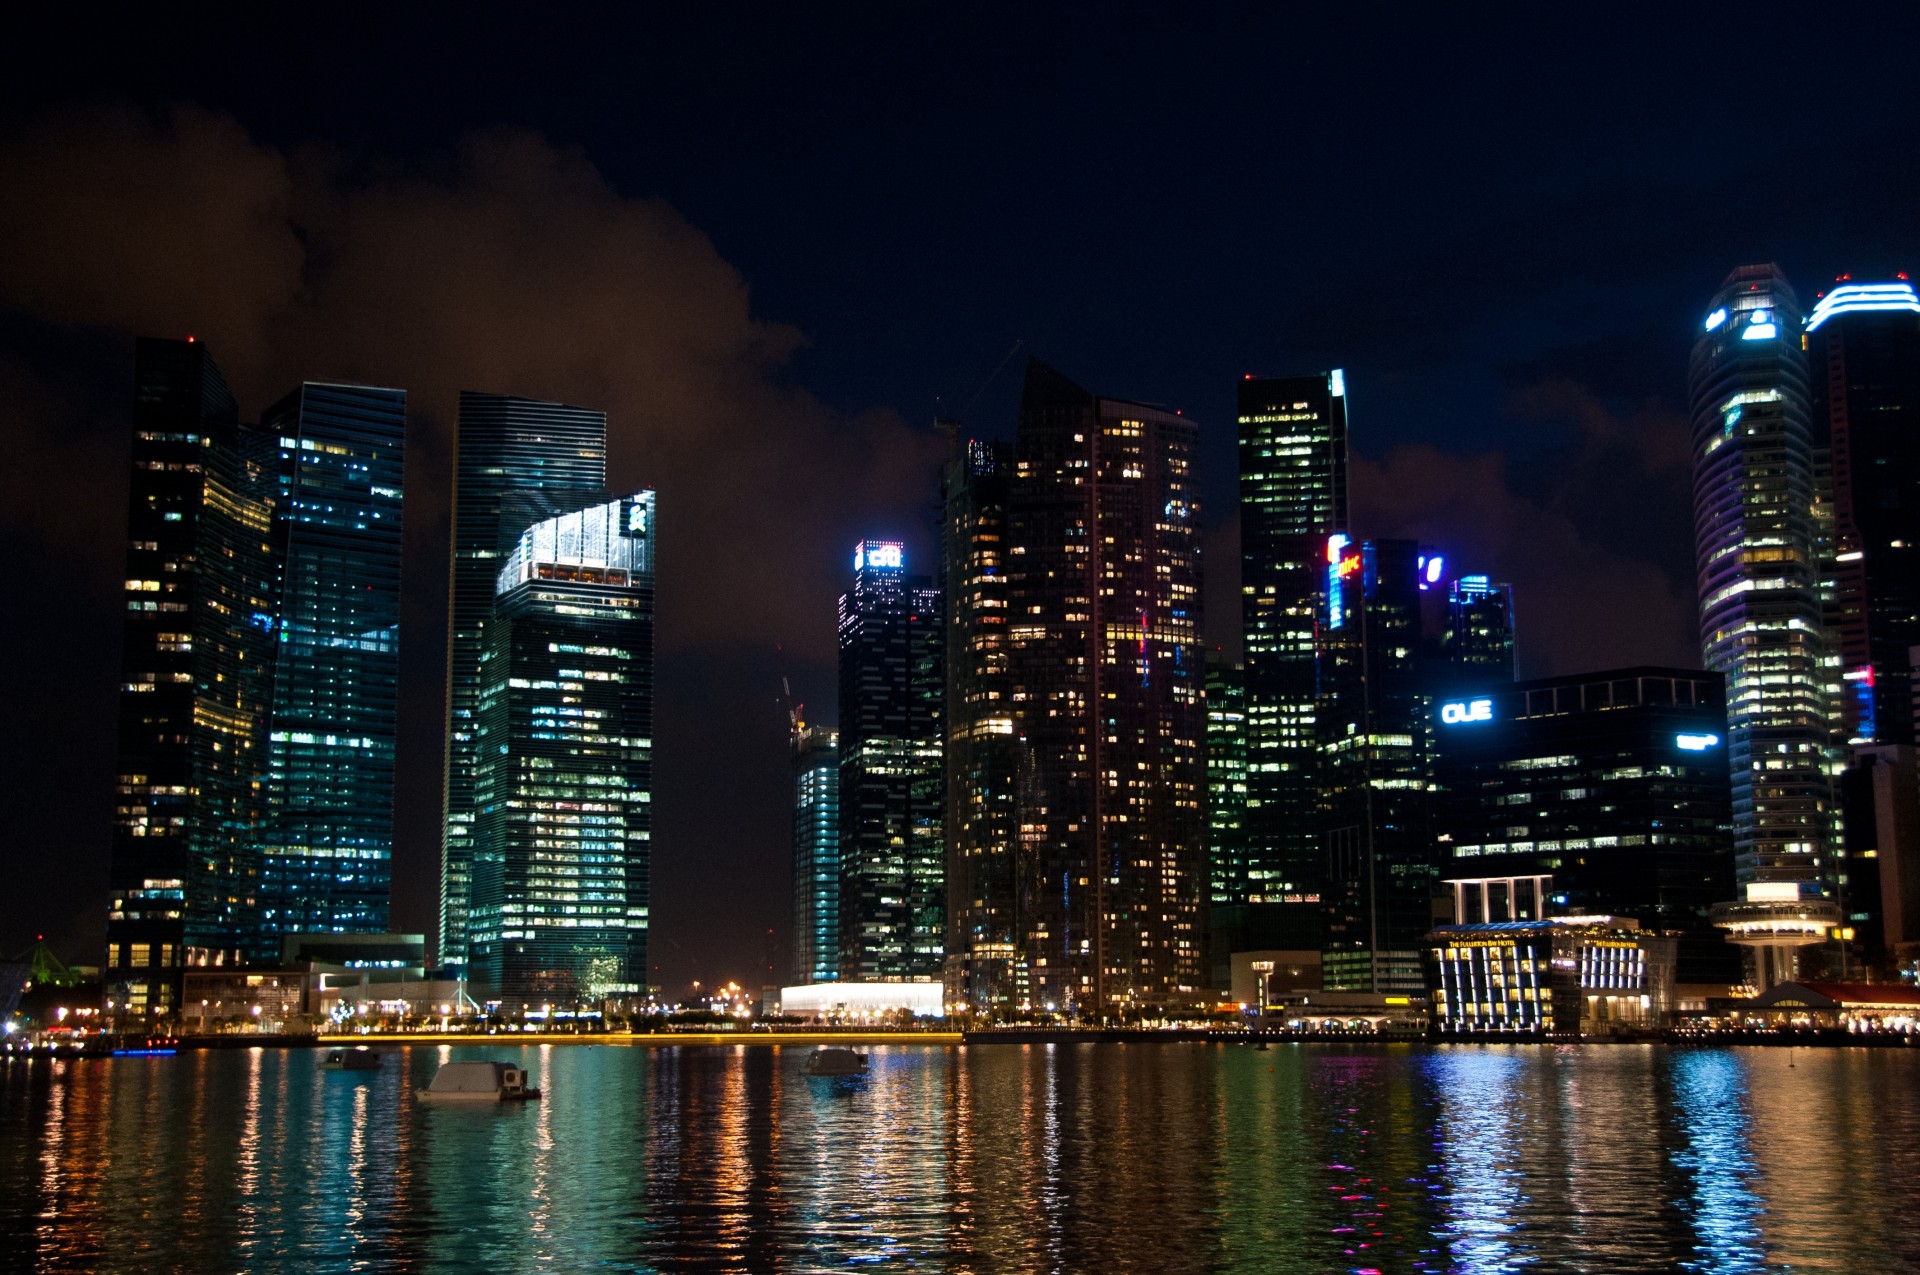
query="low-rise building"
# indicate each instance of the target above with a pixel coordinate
(1558, 977)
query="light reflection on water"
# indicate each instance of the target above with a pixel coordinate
(1174, 1157)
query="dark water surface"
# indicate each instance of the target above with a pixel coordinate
(1175, 1157)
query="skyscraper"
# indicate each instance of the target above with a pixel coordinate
(983, 755)
(1107, 669)
(1375, 798)
(1293, 495)
(816, 854)
(1226, 798)
(1863, 342)
(1479, 633)
(330, 753)
(520, 460)
(1757, 546)
(196, 662)
(564, 733)
(892, 684)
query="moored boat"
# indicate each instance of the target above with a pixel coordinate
(827, 1061)
(359, 1058)
(479, 1082)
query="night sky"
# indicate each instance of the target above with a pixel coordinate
(774, 251)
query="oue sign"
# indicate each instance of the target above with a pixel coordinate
(1472, 710)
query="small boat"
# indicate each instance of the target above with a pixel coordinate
(359, 1058)
(479, 1082)
(836, 1062)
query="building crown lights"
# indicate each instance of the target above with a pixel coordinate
(1862, 298)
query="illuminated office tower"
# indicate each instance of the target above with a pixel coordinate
(1479, 632)
(984, 970)
(564, 732)
(330, 752)
(1372, 719)
(1863, 346)
(1756, 543)
(1594, 794)
(816, 854)
(1108, 673)
(1293, 495)
(892, 683)
(520, 460)
(196, 662)
(1226, 797)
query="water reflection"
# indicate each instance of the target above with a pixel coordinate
(1000, 1158)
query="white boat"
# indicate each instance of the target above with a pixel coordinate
(359, 1058)
(836, 1062)
(479, 1082)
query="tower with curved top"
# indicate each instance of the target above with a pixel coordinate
(1757, 543)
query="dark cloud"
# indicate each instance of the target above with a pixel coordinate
(505, 264)
(1581, 601)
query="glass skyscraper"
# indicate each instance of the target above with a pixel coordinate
(196, 663)
(1108, 678)
(1863, 343)
(892, 687)
(330, 753)
(1226, 797)
(816, 854)
(1372, 722)
(520, 460)
(1757, 544)
(983, 755)
(1293, 495)
(1479, 634)
(564, 735)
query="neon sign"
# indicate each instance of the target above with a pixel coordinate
(1348, 565)
(881, 556)
(1462, 711)
(1696, 743)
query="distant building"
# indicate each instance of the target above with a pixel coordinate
(1479, 636)
(518, 461)
(197, 659)
(864, 1002)
(816, 854)
(564, 730)
(1108, 676)
(1880, 795)
(1561, 977)
(892, 686)
(1593, 793)
(1375, 737)
(1228, 872)
(1863, 345)
(1293, 495)
(1758, 544)
(330, 751)
(983, 968)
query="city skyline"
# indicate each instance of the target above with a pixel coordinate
(1502, 372)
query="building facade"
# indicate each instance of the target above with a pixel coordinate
(197, 660)
(1293, 495)
(564, 729)
(1373, 724)
(519, 460)
(330, 751)
(984, 968)
(1226, 812)
(1558, 978)
(1602, 793)
(892, 687)
(816, 854)
(1758, 547)
(1863, 345)
(1108, 694)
